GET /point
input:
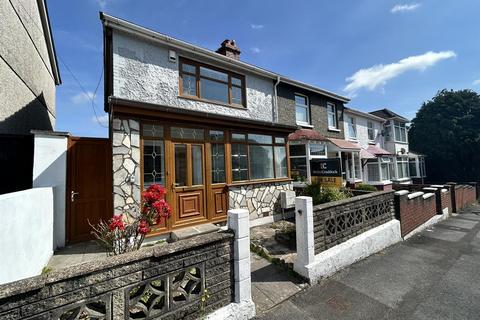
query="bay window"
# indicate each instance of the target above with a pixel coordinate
(204, 82)
(402, 168)
(258, 157)
(412, 167)
(378, 170)
(302, 110)
(400, 131)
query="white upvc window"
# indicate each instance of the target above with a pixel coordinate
(352, 128)
(302, 110)
(378, 170)
(400, 131)
(402, 168)
(370, 131)
(332, 116)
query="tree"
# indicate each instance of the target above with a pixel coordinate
(447, 130)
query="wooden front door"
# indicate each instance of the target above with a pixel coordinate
(89, 186)
(189, 184)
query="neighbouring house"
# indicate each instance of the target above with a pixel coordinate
(28, 67)
(29, 75)
(396, 142)
(366, 130)
(318, 116)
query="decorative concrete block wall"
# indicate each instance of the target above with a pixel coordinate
(126, 164)
(336, 222)
(261, 200)
(166, 281)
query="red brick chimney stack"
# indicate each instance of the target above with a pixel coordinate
(229, 48)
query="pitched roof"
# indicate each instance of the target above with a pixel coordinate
(363, 114)
(388, 114)
(131, 28)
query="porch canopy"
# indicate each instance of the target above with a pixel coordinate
(306, 135)
(373, 152)
(343, 145)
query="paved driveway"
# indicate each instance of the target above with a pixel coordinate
(434, 275)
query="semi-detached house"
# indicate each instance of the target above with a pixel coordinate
(209, 127)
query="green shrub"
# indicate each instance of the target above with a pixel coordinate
(365, 187)
(321, 194)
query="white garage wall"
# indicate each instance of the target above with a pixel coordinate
(26, 233)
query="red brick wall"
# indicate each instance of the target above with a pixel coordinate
(446, 200)
(414, 212)
(464, 196)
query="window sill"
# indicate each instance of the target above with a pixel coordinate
(401, 179)
(380, 183)
(352, 139)
(243, 183)
(334, 129)
(304, 125)
(236, 106)
(372, 142)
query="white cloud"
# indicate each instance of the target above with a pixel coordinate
(256, 26)
(102, 4)
(82, 97)
(405, 7)
(102, 120)
(476, 82)
(378, 75)
(255, 50)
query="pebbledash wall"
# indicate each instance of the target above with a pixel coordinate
(126, 164)
(143, 72)
(166, 281)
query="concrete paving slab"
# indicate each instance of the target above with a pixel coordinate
(286, 311)
(389, 278)
(335, 300)
(446, 235)
(459, 223)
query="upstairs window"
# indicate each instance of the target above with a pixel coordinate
(332, 116)
(400, 131)
(370, 131)
(212, 84)
(352, 128)
(302, 110)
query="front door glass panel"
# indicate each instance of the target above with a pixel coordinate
(197, 165)
(180, 165)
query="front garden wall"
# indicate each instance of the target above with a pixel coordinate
(160, 282)
(338, 221)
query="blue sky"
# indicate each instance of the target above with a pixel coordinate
(387, 53)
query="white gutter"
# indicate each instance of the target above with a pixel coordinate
(131, 28)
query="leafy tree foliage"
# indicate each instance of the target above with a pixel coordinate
(447, 130)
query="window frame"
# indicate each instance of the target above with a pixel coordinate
(334, 113)
(273, 144)
(198, 78)
(370, 130)
(307, 105)
(402, 126)
(353, 124)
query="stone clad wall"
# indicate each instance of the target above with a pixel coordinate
(126, 164)
(166, 281)
(338, 221)
(261, 200)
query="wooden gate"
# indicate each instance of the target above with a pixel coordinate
(89, 186)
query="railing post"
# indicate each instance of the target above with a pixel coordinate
(238, 221)
(304, 235)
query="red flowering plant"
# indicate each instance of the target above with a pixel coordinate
(126, 232)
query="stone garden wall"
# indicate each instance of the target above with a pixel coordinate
(261, 200)
(159, 282)
(126, 163)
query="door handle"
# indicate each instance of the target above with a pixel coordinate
(72, 195)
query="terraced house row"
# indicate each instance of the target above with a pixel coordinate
(220, 133)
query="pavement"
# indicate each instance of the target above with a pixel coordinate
(432, 275)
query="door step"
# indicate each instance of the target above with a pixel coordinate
(190, 232)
